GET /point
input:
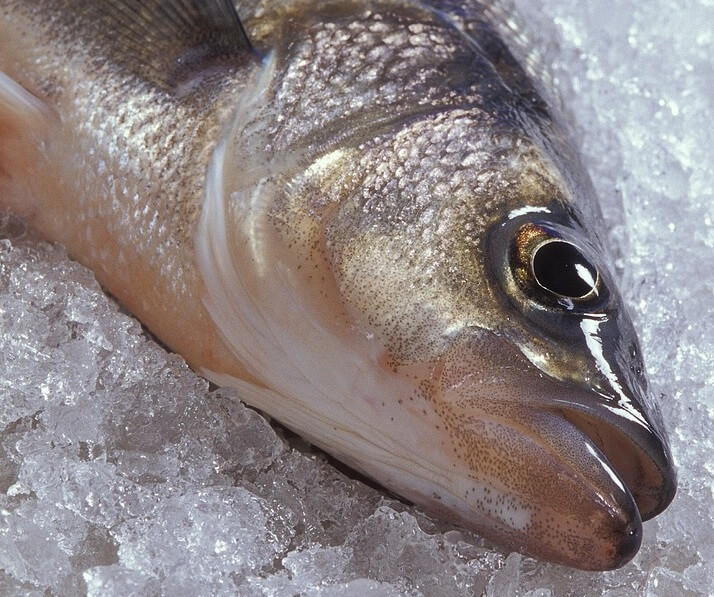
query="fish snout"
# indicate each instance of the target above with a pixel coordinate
(562, 474)
(637, 451)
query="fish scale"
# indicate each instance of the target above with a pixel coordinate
(337, 209)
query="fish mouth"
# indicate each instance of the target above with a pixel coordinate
(638, 483)
(581, 473)
(639, 455)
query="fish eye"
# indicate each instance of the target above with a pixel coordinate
(560, 267)
(546, 270)
(550, 273)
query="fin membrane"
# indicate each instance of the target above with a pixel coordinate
(166, 41)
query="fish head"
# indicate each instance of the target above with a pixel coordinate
(430, 300)
(468, 255)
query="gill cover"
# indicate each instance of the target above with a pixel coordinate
(279, 311)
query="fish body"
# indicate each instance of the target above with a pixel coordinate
(365, 217)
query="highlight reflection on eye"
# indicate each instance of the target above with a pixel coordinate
(560, 268)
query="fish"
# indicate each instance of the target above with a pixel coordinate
(371, 219)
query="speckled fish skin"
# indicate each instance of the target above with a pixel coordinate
(343, 222)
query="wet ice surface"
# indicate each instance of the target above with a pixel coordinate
(121, 471)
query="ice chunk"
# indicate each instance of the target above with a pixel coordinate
(118, 580)
(202, 539)
(122, 472)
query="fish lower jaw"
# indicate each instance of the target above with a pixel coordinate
(591, 538)
(596, 543)
(572, 526)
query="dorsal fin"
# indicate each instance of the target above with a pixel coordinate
(168, 42)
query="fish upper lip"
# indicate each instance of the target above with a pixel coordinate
(615, 469)
(636, 452)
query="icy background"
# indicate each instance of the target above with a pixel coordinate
(122, 473)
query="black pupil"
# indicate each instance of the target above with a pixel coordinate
(561, 268)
